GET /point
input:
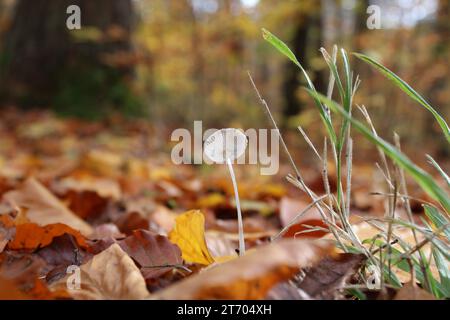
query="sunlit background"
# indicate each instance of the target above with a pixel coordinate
(176, 61)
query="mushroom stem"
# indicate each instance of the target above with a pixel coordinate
(238, 207)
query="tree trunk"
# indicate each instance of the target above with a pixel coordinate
(41, 54)
(305, 44)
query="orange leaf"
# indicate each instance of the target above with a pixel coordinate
(250, 276)
(31, 236)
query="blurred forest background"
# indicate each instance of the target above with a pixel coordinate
(175, 61)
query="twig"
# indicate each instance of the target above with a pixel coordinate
(308, 141)
(274, 124)
(409, 211)
(298, 216)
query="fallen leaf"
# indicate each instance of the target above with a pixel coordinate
(164, 218)
(103, 162)
(105, 188)
(111, 274)
(330, 274)
(189, 235)
(219, 245)
(9, 291)
(250, 276)
(131, 221)
(289, 211)
(30, 236)
(106, 230)
(411, 291)
(25, 271)
(87, 196)
(61, 253)
(154, 253)
(6, 230)
(44, 208)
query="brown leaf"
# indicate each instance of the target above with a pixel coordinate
(87, 196)
(250, 276)
(290, 208)
(411, 291)
(24, 271)
(131, 221)
(106, 230)
(61, 253)
(112, 274)
(9, 291)
(155, 253)
(329, 274)
(6, 230)
(44, 208)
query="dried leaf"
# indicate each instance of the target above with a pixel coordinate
(9, 291)
(289, 211)
(61, 253)
(412, 292)
(6, 230)
(111, 274)
(250, 276)
(189, 235)
(44, 208)
(155, 253)
(330, 274)
(30, 236)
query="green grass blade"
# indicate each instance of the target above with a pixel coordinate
(408, 90)
(425, 181)
(444, 272)
(284, 49)
(439, 169)
(438, 219)
(280, 45)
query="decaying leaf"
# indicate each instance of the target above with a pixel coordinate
(9, 291)
(291, 215)
(111, 274)
(189, 235)
(6, 230)
(60, 254)
(330, 274)
(155, 253)
(250, 276)
(86, 196)
(44, 208)
(30, 236)
(412, 292)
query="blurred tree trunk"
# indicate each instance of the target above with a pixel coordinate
(40, 52)
(361, 15)
(441, 52)
(306, 42)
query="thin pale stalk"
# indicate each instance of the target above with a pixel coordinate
(238, 207)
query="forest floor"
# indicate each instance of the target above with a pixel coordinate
(93, 211)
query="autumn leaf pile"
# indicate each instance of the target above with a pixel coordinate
(105, 198)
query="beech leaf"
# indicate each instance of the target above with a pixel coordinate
(155, 253)
(252, 275)
(44, 208)
(111, 274)
(189, 235)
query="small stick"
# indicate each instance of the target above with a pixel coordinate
(309, 142)
(274, 124)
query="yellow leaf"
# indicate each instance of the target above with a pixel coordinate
(189, 235)
(212, 200)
